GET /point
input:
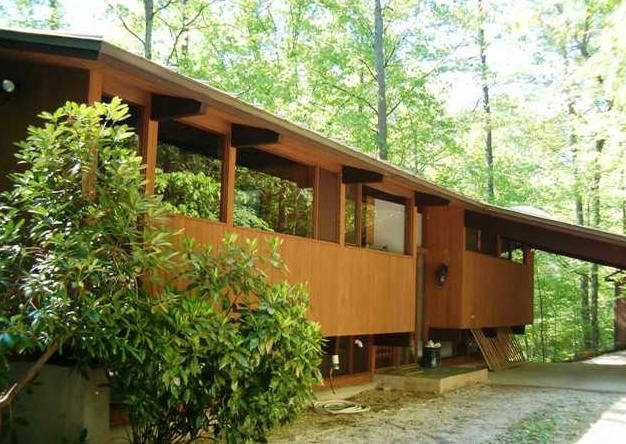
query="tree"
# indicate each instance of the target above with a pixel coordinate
(484, 70)
(381, 109)
(42, 14)
(87, 274)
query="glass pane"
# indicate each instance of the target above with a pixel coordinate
(273, 193)
(350, 235)
(472, 239)
(189, 170)
(384, 221)
(328, 225)
(511, 250)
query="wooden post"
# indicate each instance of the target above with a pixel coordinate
(94, 94)
(342, 211)
(316, 202)
(358, 209)
(350, 354)
(372, 356)
(149, 140)
(229, 165)
(409, 227)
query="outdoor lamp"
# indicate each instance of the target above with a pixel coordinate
(442, 274)
(8, 87)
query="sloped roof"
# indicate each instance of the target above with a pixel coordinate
(539, 232)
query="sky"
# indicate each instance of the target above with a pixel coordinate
(506, 57)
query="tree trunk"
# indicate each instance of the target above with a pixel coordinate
(623, 187)
(148, 6)
(583, 284)
(54, 17)
(595, 213)
(9, 396)
(482, 44)
(379, 51)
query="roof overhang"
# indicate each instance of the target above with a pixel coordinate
(541, 233)
(583, 243)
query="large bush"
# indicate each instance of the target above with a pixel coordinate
(86, 272)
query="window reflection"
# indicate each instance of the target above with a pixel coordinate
(188, 172)
(273, 193)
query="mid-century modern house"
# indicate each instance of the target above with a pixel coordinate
(392, 260)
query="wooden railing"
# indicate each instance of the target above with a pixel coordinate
(496, 292)
(353, 291)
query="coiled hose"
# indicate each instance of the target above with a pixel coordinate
(339, 407)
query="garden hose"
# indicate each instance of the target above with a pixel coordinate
(339, 407)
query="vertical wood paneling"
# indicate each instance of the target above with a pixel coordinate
(354, 291)
(498, 292)
(229, 160)
(443, 238)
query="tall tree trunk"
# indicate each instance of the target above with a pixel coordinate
(595, 213)
(54, 17)
(623, 187)
(148, 6)
(379, 51)
(482, 44)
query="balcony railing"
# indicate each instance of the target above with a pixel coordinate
(496, 292)
(353, 291)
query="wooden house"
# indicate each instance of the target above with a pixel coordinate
(391, 259)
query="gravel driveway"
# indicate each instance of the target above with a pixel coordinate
(476, 415)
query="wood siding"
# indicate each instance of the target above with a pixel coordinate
(354, 291)
(37, 88)
(443, 239)
(481, 290)
(496, 292)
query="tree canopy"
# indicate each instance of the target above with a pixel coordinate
(519, 103)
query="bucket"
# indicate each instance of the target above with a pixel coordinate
(431, 357)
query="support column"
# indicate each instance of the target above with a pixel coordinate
(229, 162)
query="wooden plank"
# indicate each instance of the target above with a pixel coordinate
(95, 87)
(165, 107)
(229, 166)
(501, 351)
(94, 94)
(316, 202)
(360, 175)
(342, 211)
(347, 297)
(427, 200)
(252, 136)
(443, 237)
(496, 292)
(149, 135)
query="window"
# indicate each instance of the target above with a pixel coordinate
(375, 219)
(273, 193)
(511, 250)
(189, 170)
(351, 215)
(472, 239)
(384, 221)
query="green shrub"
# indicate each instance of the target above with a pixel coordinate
(221, 350)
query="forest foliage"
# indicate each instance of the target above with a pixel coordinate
(192, 340)
(519, 103)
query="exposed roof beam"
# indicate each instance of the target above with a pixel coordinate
(429, 200)
(249, 136)
(566, 243)
(173, 107)
(358, 175)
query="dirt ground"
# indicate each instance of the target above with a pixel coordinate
(482, 414)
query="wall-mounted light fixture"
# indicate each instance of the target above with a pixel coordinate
(7, 88)
(442, 274)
